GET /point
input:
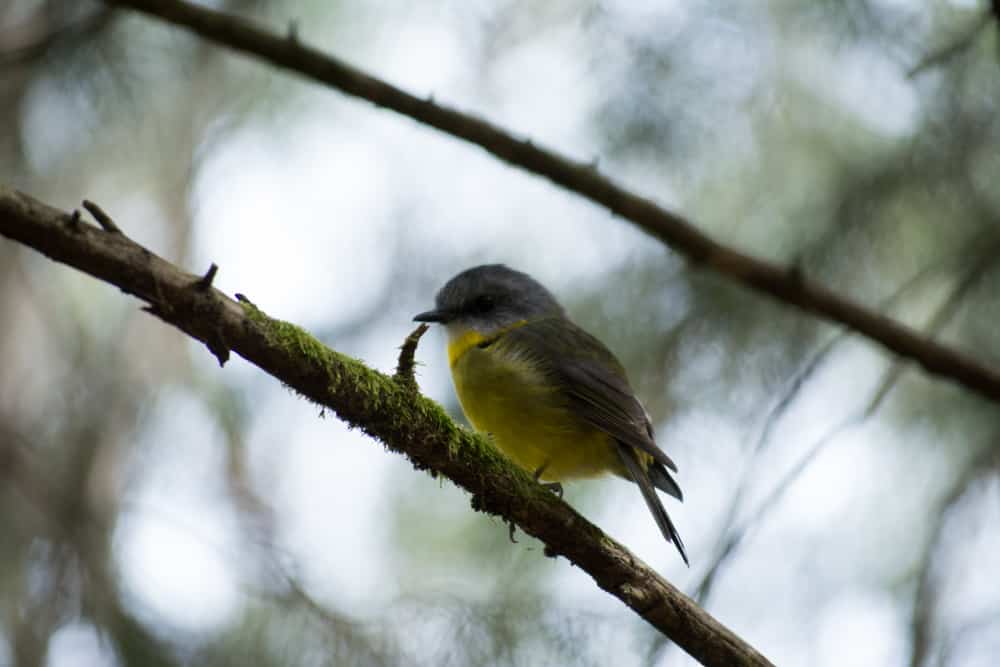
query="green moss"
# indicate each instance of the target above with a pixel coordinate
(398, 406)
(380, 393)
(297, 342)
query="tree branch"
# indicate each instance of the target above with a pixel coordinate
(733, 535)
(384, 407)
(961, 44)
(985, 463)
(788, 285)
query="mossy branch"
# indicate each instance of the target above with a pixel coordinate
(382, 406)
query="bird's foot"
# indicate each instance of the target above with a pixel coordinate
(554, 487)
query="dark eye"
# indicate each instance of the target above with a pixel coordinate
(484, 303)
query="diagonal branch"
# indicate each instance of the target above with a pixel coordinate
(384, 407)
(788, 285)
(734, 535)
(983, 464)
(961, 44)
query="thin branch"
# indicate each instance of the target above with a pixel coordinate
(778, 408)
(788, 285)
(103, 219)
(209, 277)
(733, 537)
(942, 317)
(382, 407)
(921, 618)
(955, 48)
(737, 535)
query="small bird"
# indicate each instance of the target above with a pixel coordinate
(552, 397)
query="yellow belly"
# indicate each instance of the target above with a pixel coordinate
(505, 396)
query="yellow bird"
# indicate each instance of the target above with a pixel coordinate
(552, 397)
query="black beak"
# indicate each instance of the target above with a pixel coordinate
(440, 316)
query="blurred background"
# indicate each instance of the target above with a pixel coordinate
(841, 508)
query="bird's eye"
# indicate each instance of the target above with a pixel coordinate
(484, 303)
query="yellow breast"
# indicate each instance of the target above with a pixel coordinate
(528, 418)
(461, 343)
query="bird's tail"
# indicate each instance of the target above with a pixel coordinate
(639, 475)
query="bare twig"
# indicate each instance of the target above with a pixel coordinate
(206, 280)
(788, 285)
(103, 219)
(73, 220)
(735, 536)
(987, 462)
(955, 48)
(945, 313)
(402, 419)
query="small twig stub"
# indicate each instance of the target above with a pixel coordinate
(404, 369)
(103, 219)
(73, 220)
(206, 280)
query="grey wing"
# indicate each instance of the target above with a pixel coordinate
(607, 403)
(597, 387)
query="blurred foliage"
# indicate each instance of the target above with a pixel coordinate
(829, 488)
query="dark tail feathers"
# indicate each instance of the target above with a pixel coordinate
(659, 476)
(663, 481)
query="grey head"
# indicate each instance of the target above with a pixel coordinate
(490, 297)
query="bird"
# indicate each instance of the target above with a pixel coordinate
(549, 395)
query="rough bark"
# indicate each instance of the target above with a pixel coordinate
(388, 408)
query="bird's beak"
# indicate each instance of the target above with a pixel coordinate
(440, 316)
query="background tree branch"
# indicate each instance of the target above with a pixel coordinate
(788, 285)
(387, 408)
